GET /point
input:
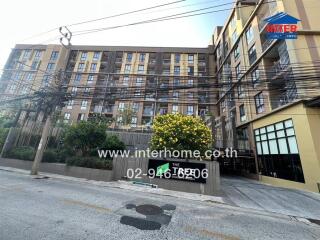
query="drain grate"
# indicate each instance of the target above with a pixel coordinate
(148, 209)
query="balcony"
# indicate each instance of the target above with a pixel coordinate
(278, 67)
(148, 111)
(266, 44)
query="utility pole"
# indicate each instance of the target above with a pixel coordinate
(42, 145)
(50, 108)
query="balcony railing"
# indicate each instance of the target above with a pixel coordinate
(267, 44)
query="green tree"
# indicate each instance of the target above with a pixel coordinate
(179, 132)
(85, 136)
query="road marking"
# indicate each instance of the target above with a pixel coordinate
(86, 205)
(210, 233)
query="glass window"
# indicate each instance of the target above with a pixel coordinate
(270, 128)
(288, 123)
(142, 57)
(259, 151)
(292, 142)
(96, 56)
(190, 58)
(83, 56)
(249, 35)
(265, 148)
(255, 75)
(283, 148)
(290, 132)
(54, 55)
(127, 68)
(90, 79)
(140, 68)
(93, 67)
(273, 147)
(129, 57)
(279, 126)
(259, 101)
(236, 52)
(271, 135)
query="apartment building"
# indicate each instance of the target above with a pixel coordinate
(259, 95)
(130, 85)
(133, 84)
(262, 84)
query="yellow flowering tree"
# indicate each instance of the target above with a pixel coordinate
(180, 132)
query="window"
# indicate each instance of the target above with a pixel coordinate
(190, 71)
(190, 58)
(86, 90)
(139, 81)
(176, 70)
(74, 91)
(84, 104)
(90, 79)
(29, 77)
(26, 53)
(77, 78)
(190, 82)
(177, 58)
(175, 108)
(70, 104)
(259, 101)
(236, 52)
(249, 35)
(223, 105)
(240, 90)
(238, 71)
(67, 116)
(242, 113)
(129, 57)
(255, 75)
(93, 67)
(234, 36)
(278, 152)
(46, 80)
(135, 106)
(190, 95)
(35, 65)
(81, 67)
(176, 82)
(175, 94)
(37, 54)
(81, 116)
(121, 106)
(137, 93)
(142, 57)
(140, 68)
(83, 56)
(252, 54)
(127, 68)
(54, 55)
(190, 110)
(125, 80)
(134, 121)
(50, 67)
(96, 56)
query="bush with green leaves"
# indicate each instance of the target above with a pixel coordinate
(85, 136)
(180, 132)
(23, 153)
(3, 136)
(89, 162)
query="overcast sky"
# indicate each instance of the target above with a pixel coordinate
(21, 19)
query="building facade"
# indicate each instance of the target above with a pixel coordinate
(258, 94)
(257, 77)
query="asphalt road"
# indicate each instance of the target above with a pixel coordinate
(39, 209)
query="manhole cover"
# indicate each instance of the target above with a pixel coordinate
(149, 209)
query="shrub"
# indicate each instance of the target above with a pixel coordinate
(52, 155)
(89, 162)
(3, 136)
(112, 142)
(85, 136)
(23, 153)
(179, 132)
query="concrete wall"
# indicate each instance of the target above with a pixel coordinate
(212, 185)
(62, 169)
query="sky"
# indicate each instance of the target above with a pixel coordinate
(21, 20)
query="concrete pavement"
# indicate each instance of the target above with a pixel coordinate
(62, 209)
(246, 193)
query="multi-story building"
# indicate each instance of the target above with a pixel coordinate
(137, 83)
(261, 93)
(260, 79)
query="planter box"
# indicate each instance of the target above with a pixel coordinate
(62, 169)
